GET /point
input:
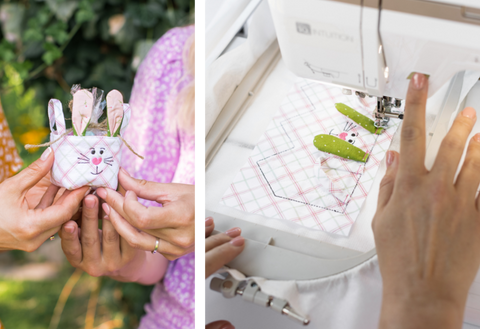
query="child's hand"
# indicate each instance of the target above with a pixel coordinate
(105, 253)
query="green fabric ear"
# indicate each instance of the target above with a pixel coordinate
(362, 120)
(337, 146)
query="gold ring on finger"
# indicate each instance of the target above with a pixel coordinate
(154, 251)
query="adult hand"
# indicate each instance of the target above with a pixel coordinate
(26, 226)
(427, 227)
(35, 194)
(102, 252)
(173, 223)
(217, 251)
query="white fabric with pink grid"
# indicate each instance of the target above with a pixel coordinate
(286, 177)
(92, 160)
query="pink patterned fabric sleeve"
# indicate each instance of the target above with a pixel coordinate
(169, 157)
(147, 133)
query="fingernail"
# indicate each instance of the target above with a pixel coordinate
(227, 326)
(88, 191)
(238, 241)
(46, 153)
(125, 172)
(390, 158)
(419, 80)
(106, 208)
(101, 192)
(208, 221)
(470, 113)
(233, 232)
(127, 193)
(90, 202)
(69, 229)
(477, 137)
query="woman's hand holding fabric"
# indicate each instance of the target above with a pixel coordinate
(173, 223)
(26, 220)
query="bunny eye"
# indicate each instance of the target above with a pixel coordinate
(101, 151)
(93, 152)
(353, 135)
(350, 141)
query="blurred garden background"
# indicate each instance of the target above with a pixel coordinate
(45, 47)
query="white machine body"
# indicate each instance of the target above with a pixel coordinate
(374, 46)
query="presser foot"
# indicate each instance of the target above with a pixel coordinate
(383, 112)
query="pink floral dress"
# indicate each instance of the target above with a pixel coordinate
(169, 157)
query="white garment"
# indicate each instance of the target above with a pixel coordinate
(350, 300)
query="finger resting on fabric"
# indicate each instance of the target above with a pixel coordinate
(468, 179)
(142, 188)
(413, 126)
(453, 144)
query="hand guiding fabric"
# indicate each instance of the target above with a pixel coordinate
(427, 224)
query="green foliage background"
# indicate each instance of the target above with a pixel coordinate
(45, 47)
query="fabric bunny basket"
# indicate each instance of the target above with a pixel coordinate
(88, 156)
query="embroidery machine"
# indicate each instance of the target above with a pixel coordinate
(370, 48)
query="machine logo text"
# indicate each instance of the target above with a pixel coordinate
(304, 28)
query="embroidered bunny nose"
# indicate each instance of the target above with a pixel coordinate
(96, 161)
(343, 136)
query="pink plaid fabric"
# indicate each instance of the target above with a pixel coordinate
(286, 177)
(84, 160)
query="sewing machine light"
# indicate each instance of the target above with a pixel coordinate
(380, 49)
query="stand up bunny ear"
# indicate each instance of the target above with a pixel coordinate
(114, 112)
(81, 111)
(56, 117)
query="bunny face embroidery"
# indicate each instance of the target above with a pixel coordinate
(349, 133)
(98, 158)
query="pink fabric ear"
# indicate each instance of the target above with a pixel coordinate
(114, 112)
(82, 111)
